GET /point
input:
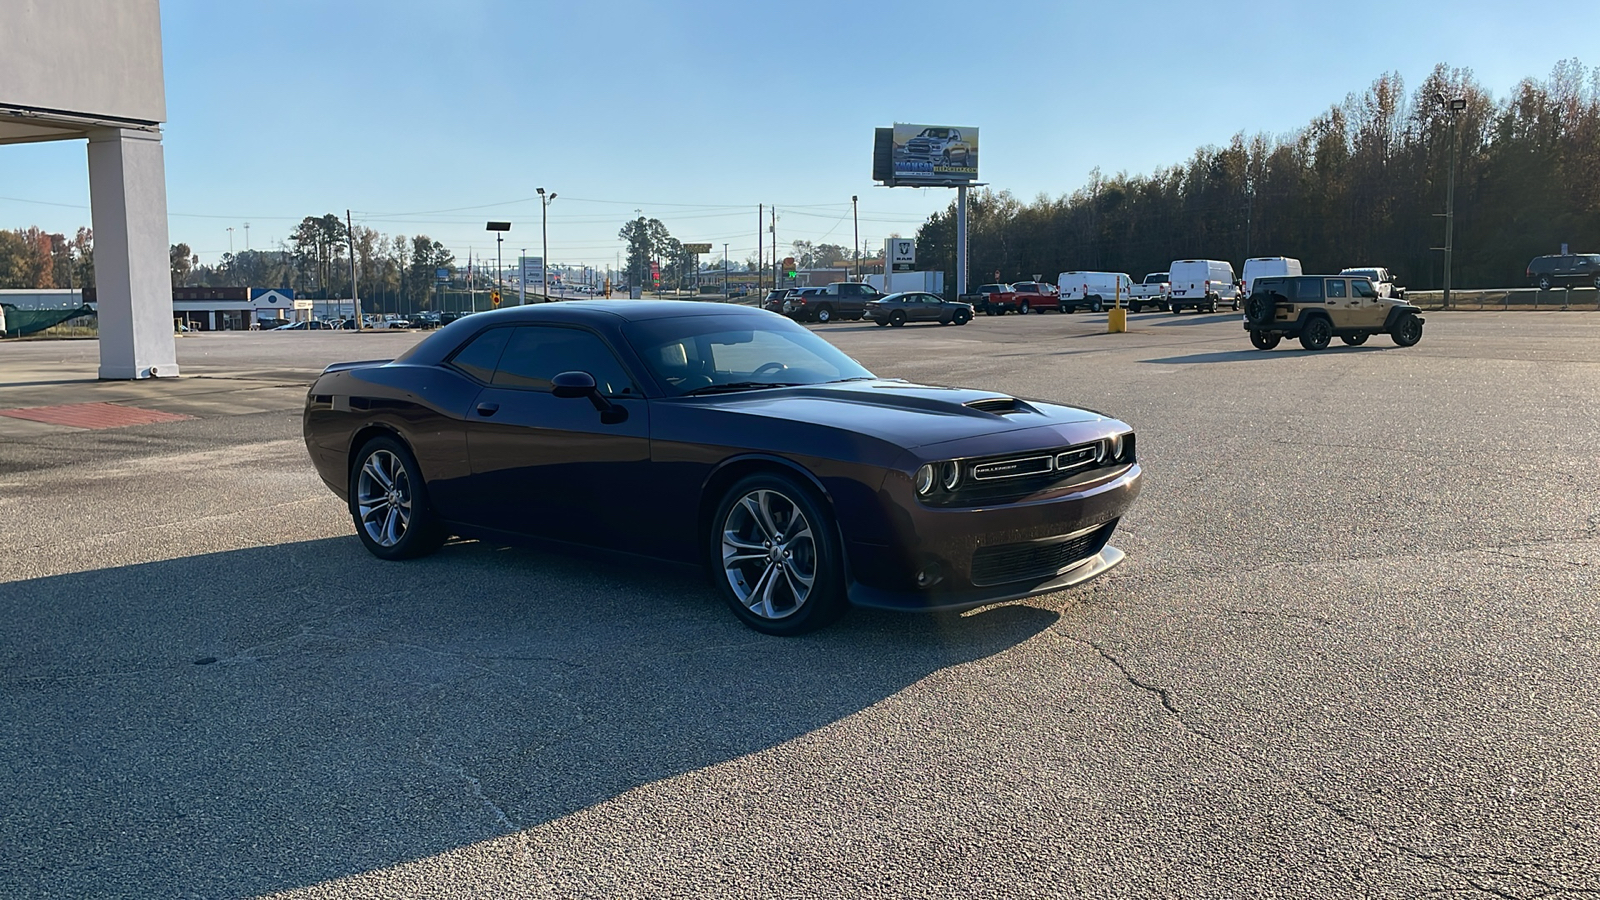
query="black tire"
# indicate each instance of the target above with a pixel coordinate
(897, 318)
(1264, 340)
(1407, 330)
(1597, 282)
(741, 562)
(1062, 308)
(388, 530)
(1316, 333)
(1024, 308)
(1094, 305)
(1135, 308)
(1544, 282)
(880, 322)
(824, 314)
(961, 317)
(1235, 302)
(1354, 340)
(1258, 310)
(1174, 309)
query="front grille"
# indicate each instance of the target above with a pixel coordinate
(1011, 468)
(1035, 559)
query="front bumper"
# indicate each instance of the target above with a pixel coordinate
(948, 558)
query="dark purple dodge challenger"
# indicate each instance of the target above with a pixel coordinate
(727, 437)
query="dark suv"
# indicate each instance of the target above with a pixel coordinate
(1572, 269)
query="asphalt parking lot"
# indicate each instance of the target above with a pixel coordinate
(1353, 652)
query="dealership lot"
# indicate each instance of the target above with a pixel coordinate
(1353, 651)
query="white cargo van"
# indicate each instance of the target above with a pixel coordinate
(1201, 284)
(1263, 266)
(1093, 291)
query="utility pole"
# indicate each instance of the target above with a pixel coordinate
(774, 247)
(761, 252)
(247, 237)
(1456, 106)
(856, 220)
(230, 240)
(350, 238)
(724, 273)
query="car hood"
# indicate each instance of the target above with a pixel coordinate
(907, 415)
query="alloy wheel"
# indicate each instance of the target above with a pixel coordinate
(383, 498)
(769, 554)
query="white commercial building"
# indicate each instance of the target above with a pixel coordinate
(91, 70)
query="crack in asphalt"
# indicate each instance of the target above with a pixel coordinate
(475, 787)
(1439, 860)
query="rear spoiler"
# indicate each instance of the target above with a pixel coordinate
(359, 364)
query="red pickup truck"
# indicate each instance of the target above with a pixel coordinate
(1023, 297)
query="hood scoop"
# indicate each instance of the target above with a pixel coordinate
(999, 406)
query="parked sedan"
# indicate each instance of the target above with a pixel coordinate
(727, 437)
(915, 306)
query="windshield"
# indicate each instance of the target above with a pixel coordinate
(703, 354)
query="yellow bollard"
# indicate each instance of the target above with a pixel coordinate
(1116, 316)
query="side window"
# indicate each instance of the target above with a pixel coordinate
(1308, 290)
(1361, 288)
(537, 353)
(1336, 288)
(480, 356)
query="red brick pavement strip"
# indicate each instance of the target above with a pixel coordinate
(92, 415)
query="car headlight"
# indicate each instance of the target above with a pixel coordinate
(949, 475)
(925, 479)
(1113, 448)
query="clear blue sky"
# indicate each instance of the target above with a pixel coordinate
(694, 112)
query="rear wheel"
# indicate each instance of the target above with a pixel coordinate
(1094, 305)
(897, 318)
(1407, 330)
(1134, 308)
(880, 322)
(1316, 334)
(1235, 302)
(1174, 309)
(389, 502)
(1263, 340)
(1354, 340)
(824, 314)
(775, 556)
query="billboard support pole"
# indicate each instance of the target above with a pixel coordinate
(961, 240)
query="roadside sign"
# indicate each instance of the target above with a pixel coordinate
(902, 254)
(441, 274)
(494, 299)
(697, 248)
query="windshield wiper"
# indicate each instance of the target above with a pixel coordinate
(740, 386)
(856, 378)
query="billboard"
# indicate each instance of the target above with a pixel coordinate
(924, 155)
(85, 58)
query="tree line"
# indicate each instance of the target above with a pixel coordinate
(1363, 184)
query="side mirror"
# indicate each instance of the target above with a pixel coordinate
(572, 385)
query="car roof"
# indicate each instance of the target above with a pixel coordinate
(603, 315)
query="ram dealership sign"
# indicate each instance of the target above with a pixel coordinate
(925, 155)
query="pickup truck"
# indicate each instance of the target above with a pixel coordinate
(1023, 297)
(1150, 292)
(840, 300)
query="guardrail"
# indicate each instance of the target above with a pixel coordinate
(1511, 298)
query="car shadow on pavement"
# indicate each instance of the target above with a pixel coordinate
(256, 720)
(1250, 353)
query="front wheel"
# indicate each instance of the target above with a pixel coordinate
(1264, 340)
(1407, 331)
(897, 318)
(389, 502)
(1316, 334)
(961, 317)
(776, 558)
(1354, 340)
(1024, 308)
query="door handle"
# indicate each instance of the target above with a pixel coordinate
(488, 409)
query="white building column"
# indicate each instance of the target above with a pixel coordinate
(132, 264)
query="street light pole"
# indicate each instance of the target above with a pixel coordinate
(724, 273)
(544, 224)
(1455, 106)
(522, 278)
(857, 222)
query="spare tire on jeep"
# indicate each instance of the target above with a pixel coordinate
(1258, 309)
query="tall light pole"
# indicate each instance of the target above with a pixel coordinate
(857, 221)
(1454, 106)
(230, 240)
(544, 223)
(499, 229)
(247, 237)
(724, 273)
(522, 278)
